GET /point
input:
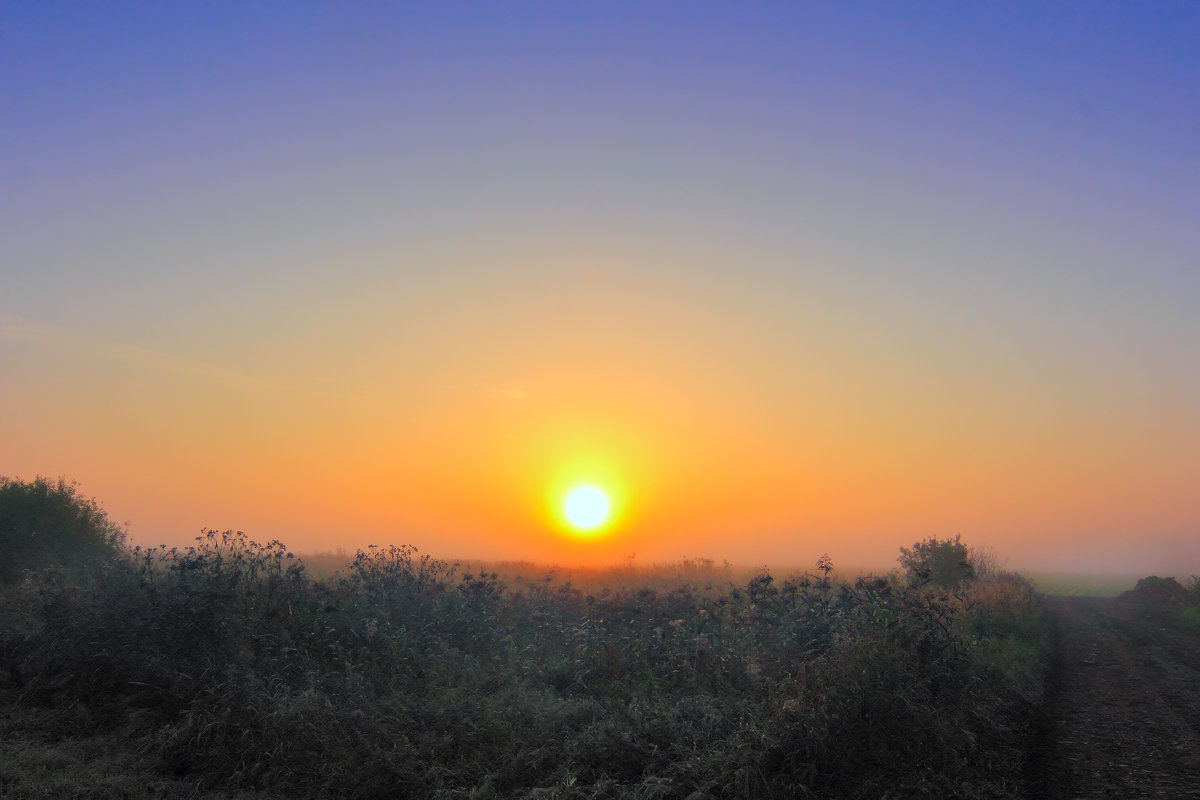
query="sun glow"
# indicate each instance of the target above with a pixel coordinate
(586, 507)
(587, 501)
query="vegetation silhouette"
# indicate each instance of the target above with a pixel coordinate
(224, 665)
(947, 563)
(1154, 589)
(45, 523)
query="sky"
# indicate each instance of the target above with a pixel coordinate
(781, 279)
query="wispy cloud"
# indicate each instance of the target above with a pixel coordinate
(57, 337)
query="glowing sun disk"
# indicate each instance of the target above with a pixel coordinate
(586, 507)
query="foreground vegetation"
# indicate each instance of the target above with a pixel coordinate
(225, 669)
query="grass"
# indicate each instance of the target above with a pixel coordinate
(225, 670)
(51, 755)
(1190, 615)
(1082, 585)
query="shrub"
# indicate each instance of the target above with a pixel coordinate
(46, 523)
(943, 562)
(1154, 589)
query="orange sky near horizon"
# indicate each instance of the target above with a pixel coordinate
(710, 451)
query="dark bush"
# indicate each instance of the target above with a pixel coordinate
(1154, 589)
(46, 523)
(943, 562)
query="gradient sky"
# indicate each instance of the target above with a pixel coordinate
(786, 279)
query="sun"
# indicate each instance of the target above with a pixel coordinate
(586, 507)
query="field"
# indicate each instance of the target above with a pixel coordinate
(1075, 584)
(225, 670)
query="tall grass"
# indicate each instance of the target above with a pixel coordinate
(402, 675)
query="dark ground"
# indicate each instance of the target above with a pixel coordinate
(1123, 703)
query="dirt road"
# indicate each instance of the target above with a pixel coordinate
(1123, 705)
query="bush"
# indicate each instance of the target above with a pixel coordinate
(46, 523)
(943, 562)
(1154, 589)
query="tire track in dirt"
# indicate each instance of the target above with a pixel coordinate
(1122, 717)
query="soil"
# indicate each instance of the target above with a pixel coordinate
(1122, 715)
